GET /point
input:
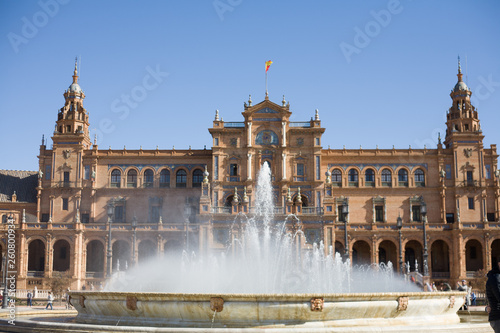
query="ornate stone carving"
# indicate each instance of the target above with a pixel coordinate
(132, 303)
(403, 303)
(468, 152)
(452, 301)
(66, 153)
(317, 304)
(82, 301)
(216, 304)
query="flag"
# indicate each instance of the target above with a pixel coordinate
(268, 64)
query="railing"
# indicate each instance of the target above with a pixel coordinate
(234, 124)
(312, 210)
(36, 273)
(66, 184)
(470, 274)
(300, 124)
(440, 275)
(233, 179)
(221, 210)
(94, 275)
(470, 183)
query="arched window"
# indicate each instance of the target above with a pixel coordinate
(116, 176)
(149, 177)
(370, 177)
(419, 178)
(197, 178)
(165, 178)
(403, 177)
(386, 178)
(181, 178)
(132, 178)
(353, 177)
(337, 178)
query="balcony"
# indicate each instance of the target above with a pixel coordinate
(94, 275)
(470, 183)
(221, 210)
(312, 211)
(39, 274)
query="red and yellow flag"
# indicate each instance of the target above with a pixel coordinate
(268, 64)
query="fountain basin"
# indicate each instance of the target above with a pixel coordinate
(267, 310)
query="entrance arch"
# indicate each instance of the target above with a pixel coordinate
(387, 252)
(361, 253)
(147, 250)
(95, 259)
(121, 255)
(440, 260)
(36, 256)
(61, 259)
(473, 255)
(413, 255)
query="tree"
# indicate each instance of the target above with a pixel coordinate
(59, 283)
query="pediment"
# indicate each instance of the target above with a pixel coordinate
(267, 110)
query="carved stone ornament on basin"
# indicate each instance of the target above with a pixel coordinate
(268, 310)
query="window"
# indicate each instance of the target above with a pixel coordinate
(490, 217)
(132, 178)
(45, 217)
(221, 235)
(86, 172)
(66, 178)
(448, 171)
(386, 178)
(48, 169)
(337, 177)
(85, 218)
(65, 204)
(369, 177)
(470, 178)
(216, 141)
(155, 214)
(197, 178)
(379, 213)
(471, 203)
(419, 178)
(450, 218)
(115, 178)
(488, 171)
(317, 141)
(415, 210)
(149, 178)
(233, 170)
(403, 177)
(118, 216)
(312, 236)
(165, 178)
(342, 216)
(300, 169)
(216, 167)
(181, 179)
(353, 177)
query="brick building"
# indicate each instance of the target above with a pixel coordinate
(162, 201)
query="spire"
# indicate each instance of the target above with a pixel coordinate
(75, 73)
(459, 70)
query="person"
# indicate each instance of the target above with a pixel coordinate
(463, 287)
(29, 296)
(68, 305)
(493, 296)
(434, 288)
(472, 299)
(50, 299)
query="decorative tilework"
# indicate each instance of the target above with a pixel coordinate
(393, 166)
(156, 166)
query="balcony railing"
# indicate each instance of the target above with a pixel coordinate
(36, 273)
(300, 124)
(221, 210)
(470, 183)
(312, 210)
(234, 124)
(94, 275)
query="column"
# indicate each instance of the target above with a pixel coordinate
(284, 165)
(249, 134)
(283, 131)
(249, 166)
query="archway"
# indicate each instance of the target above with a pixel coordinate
(387, 252)
(36, 256)
(95, 259)
(413, 255)
(440, 260)
(495, 251)
(361, 253)
(121, 255)
(146, 250)
(473, 256)
(61, 259)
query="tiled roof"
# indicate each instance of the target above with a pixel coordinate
(23, 182)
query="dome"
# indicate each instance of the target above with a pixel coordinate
(74, 88)
(461, 86)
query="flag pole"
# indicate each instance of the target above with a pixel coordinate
(266, 85)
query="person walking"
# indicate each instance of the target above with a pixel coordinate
(50, 299)
(463, 287)
(29, 297)
(493, 296)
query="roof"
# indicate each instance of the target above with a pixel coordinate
(23, 182)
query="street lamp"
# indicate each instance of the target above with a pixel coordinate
(345, 213)
(110, 211)
(423, 211)
(134, 227)
(5, 292)
(399, 225)
(187, 214)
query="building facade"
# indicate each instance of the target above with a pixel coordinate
(89, 211)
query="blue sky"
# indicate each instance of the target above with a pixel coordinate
(380, 72)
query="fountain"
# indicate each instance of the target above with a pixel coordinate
(264, 280)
